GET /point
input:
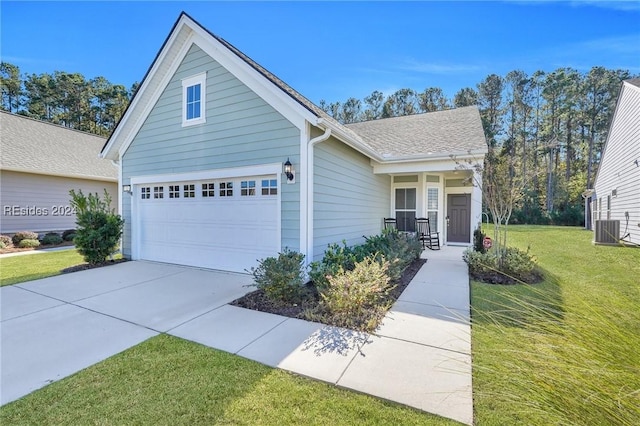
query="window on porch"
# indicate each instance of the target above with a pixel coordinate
(432, 208)
(406, 209)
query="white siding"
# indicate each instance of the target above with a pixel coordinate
(47, 196)
(349, 200)
(620, 166)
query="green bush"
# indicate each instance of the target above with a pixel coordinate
(281, 277)
(28, 243)
(23, 235)
(355, 298)
(6, 240)
(99, 228)
(336, 257)
(517, 265)
(397, 249)
(69, 237)
(65, 234)
(478, 240)
(2, 245)
(51, 239)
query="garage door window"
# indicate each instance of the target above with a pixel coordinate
(190, 191)
(174, 191)
(269, 187)
(145, 192)
(158, 192)
(226, 189)
(208, 189)
(247, 188)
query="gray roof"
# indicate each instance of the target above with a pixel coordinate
(433, 134)
(35, 146)
(634, 81)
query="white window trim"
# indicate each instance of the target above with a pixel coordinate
(200, 79)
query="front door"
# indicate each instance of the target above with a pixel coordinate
(459, 218)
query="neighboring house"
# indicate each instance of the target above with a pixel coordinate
(203, 148)
(40, 163)
(615, 204)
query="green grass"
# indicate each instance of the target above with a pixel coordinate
(17, 269)
(170, 381)
(567, 350)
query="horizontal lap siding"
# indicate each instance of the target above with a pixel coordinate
(48, 194)
(241, 129)
(618, 169)
(349, 200)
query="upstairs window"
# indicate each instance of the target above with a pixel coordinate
(194, 99)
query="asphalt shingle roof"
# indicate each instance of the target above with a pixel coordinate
(634, 81)
(454, 131)
(35, 146)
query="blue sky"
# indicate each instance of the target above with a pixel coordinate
(333, 50)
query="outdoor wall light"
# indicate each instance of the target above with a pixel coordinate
(126, 188)
(288, 170)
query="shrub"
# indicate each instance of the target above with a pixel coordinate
(28, 242)
(281, 277)
(69, 237)
(478, 240)
(335, 258)
(2, 245)
(6, 240)
(68, 232)
(353, 298)
(99, 228)
(51, 239)
(23, 235)
(517, 266)
(398, 250)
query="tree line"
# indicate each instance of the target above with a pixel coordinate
(549, 128)
(69, 99)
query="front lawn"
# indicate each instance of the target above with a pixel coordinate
(17, 269)
(565, 351)
(170, 381)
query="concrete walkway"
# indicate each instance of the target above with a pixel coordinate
(420, 356)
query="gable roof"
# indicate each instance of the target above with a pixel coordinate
(34, 146)
(434, 134)
(291, 104)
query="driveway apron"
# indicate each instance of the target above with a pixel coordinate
(54, 327)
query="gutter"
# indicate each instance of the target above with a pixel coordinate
(309, 201)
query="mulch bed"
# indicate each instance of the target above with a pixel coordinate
(258, 301)
(18, 249)
(86, 266)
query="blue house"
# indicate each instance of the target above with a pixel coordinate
(221, 163)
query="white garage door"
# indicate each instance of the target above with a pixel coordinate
(224, 224)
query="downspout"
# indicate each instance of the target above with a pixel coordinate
(310, 169)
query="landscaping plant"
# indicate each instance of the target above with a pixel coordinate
(6, 240)
(357, 297)
(51, 239)
(281, 277)
(23, 235)
(29, 243)
(99, 227)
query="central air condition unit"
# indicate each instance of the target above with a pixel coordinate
(607, 231)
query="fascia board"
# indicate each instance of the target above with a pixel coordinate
(147, 94)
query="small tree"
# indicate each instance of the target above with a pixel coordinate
(99, 227)
(501, 189)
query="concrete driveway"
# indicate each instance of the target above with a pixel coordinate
(54, 327)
